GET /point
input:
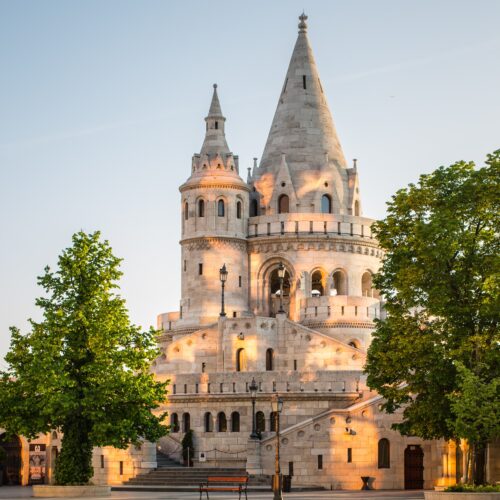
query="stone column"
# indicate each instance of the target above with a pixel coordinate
(254, 463)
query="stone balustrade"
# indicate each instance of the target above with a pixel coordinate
(340, 308)
(331, 225)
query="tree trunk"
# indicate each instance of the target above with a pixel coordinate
(74, 463)
(479, 463)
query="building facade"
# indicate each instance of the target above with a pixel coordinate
(304, 337)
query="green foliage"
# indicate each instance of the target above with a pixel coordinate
(187, 444)
(440, 277)
(469, 488)
(475, 407)
(84, 369)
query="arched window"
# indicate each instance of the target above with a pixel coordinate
(241, 360)
(356, 208)
(174, 422)
(238, 210)
(186, 422)
(339, 283)
(254, 208)
(235, 422)
(269, 360)
(221, 208)
(317, 283)
(201, 208)
(274, 421)
(367, 289)
(208, 422)
(221, 422)
(326, 204)
(384, 454)
(260, 421)
(283, 204)
(54, 435)
(186, 211)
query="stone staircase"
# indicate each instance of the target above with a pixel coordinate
(165, 461)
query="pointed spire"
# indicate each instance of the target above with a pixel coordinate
(215, 138)
(215, 109)
(302, 126)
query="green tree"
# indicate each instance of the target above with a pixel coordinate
(440, 279)
(84, 369)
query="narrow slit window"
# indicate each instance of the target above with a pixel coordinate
(200, 269)
(304, 81)
(239, 281)
(320, 462)
(349, 455)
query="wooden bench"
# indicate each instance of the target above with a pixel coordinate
(225, 483)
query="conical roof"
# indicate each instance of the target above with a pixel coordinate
(302, 126)
(215, 138)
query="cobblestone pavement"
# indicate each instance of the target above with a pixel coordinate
(8, 492)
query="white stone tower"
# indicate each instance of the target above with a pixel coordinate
(214, 228)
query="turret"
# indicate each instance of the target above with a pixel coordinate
(215, 204)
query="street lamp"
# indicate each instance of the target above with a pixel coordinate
(253, 391)
(223, 278)
(281, 276)
(277, 406)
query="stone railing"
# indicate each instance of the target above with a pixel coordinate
(339, 308)
(302, 224)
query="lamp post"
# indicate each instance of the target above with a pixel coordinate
(277, 406)
(253, 391)
(223, 278)
(281, 276)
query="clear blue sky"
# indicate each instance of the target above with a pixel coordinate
(102, 106)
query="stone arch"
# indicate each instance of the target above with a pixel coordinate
(384, 454)
(186, 422)
(235, 421)
(354, 343)
(283, 204)
(221, 422)
(241, 360)
(260, 421)
(254, 207)
(319, 279)
(263, 286)
(367, 289)
(269, 359)
(200, 207)
(340, 285)
(208, 422)
(326, 204)
(174, 422)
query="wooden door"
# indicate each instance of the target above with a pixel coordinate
(12, 464)
(414, 468)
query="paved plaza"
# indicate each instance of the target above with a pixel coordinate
(8, 492)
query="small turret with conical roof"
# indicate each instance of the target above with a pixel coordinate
(303, 131)
(215, 158)
(215, 202)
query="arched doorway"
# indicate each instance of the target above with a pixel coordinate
(274, 292)
(12, 462)
(414, 467)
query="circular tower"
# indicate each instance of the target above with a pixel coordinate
(214, 208)
(305, 211)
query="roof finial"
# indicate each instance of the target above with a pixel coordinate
(215, 85)
(303, 24)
